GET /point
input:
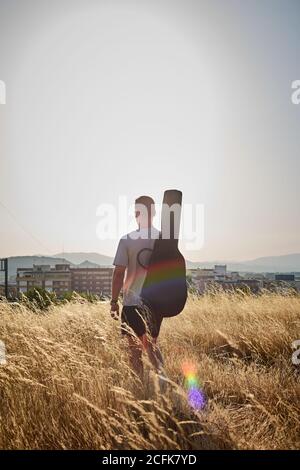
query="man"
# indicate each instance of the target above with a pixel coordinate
(140, 325)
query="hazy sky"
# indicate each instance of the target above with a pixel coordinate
(109, 98)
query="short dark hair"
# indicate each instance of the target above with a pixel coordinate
(147, 202)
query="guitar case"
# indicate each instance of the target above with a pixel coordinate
(164, 290)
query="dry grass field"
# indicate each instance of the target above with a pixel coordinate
(67, 383)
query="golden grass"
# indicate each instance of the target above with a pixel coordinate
(67, 383)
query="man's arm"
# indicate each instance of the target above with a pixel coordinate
(117, 284)
(120, 262)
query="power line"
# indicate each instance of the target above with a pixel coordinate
(24, 228)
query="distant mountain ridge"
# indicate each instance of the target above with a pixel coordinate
(87, 264)
(283, 263)
(15, 262)
(78, 258)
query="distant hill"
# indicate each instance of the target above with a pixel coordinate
(87, 264)
(81, 260)
(15, 262)
(77, 258)
(285, 263)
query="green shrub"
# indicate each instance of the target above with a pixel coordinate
(40, 298)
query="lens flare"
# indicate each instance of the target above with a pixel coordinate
(196, 396)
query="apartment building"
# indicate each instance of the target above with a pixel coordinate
(63, 278)
(93, 280)
(220, 272)
(57, 279)
(204, 278)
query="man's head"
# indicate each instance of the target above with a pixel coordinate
(144, 211)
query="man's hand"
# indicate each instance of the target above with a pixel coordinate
(114, 309)
(117, 284)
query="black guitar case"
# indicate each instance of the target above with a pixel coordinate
(164, 290)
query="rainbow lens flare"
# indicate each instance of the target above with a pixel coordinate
(196, 396)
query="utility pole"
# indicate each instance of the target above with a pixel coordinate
(4, 267)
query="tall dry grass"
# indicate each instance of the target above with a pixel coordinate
(67, 383)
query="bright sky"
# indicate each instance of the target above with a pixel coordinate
(110, 98)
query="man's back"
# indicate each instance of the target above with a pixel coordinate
(134, 252)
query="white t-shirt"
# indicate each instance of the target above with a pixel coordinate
(134, 251)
